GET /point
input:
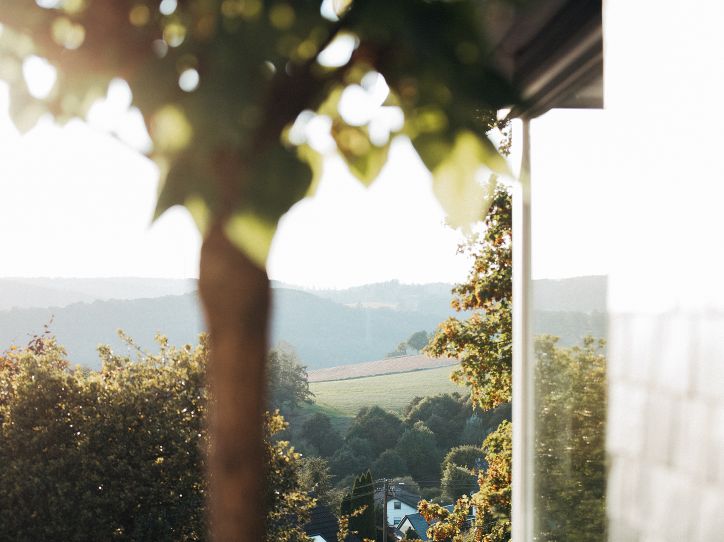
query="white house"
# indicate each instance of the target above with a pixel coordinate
(399, 504)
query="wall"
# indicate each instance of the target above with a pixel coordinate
(664, 86)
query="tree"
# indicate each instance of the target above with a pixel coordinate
(288, 380)
(411, 534)
(418, 447)
(119, 450)
(362, 498)
(570, 486)
(483, 342)
(379, 427)
(493, 499)
(418, 340)
(444, 414)
(225, 89)
(315, 478)
(319, 432)
(400, 350)
(459, 471)
(354, 456)
(389, 464)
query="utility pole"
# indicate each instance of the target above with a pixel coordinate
(384, 509)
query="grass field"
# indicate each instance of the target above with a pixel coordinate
(391, 392)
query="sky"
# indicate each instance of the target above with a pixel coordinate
(77, 202)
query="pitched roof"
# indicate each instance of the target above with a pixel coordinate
(418, 523)
(399, 494)
(322, 522)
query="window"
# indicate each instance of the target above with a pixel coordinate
(397, 505)
(566, 326)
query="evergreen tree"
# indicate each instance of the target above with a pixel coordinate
(363, 498)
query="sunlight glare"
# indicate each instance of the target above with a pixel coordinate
(40, 76)
(167, 7)
(339, 51)
(49, 4)
(188, 81)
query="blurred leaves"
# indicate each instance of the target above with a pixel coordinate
(219, 138)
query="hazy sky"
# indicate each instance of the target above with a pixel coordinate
(77, 203)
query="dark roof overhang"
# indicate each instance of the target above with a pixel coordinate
(552, 51)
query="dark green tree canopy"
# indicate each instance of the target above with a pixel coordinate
(319, 432)
(380, 428)
(288, 381)
(121, 450)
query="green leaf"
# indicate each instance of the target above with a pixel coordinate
(456, 180)
(364, 159)
(252, 235)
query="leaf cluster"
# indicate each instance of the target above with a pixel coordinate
(227, 89)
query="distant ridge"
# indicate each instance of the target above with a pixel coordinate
(326, 327)
(399, 364)
(43, 292)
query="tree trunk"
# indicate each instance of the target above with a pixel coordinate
(236, 299)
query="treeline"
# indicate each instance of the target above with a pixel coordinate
(118, 454)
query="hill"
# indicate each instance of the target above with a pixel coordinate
(391, 391)
(399, 364)
(323, 332)
(328, 328)
(61, 292)
(393, 294)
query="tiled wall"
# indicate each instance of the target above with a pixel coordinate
(666, 427)
(664, 89)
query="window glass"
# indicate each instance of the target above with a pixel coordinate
(571, 212)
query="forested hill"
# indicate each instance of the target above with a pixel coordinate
(327, 328)
(324, 333)
(61, 292)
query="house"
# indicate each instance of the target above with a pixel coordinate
(399, 503)
(415, 522)
(420, 525)
(323, 525)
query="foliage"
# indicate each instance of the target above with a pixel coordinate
(362, 498)
(288, 504)
(400, 350)
(443, 414)
(468, 456)
(570, 488)
(226, 88)
(315, 478)
(415, 342)
(389, 464)
(380, 428)
(445, 525)
(418, 447)
(354, 456)
(493, 499)
(418, 340)
(121, 451)
(492, 521)
(411, 534)
(288, 380)
(459, 469)
(483, 342)
(318, 432)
